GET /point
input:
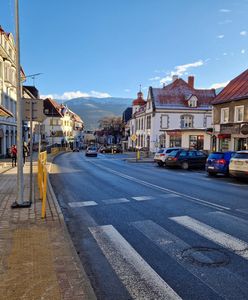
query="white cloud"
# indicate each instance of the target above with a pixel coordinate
(243, 33)
(219, 85)
(154, 78)
(243, 51)
(127, 90)
(221, 36)
(225, 54)
(181, 70)
(76, 94)
(224, 10)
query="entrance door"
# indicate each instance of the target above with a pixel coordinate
(240, 144)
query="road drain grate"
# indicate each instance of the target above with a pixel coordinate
(206, 256)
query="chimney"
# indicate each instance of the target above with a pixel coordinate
(174, 78)
(191, 80)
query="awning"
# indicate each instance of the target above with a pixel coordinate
(5, 112)
(224, 136)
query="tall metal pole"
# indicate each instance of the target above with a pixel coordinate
(19, 203)
(20, 185)
(31, 151)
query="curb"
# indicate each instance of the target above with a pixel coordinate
(130, 160)
(87, 285)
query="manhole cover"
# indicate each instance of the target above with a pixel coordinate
(205, 256)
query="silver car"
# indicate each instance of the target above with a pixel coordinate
(91, 151)
(161, 155)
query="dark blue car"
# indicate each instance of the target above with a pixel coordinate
(218, 162)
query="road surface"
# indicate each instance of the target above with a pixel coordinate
(144, 232)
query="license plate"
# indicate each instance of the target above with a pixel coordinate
(211, 168)
(239, 163)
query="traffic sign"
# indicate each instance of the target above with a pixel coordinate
(134, 137)
(37, 105)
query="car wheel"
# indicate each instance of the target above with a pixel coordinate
(160, 164)
(211, 174)
(185, 165)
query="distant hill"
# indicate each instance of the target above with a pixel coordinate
(91, 109)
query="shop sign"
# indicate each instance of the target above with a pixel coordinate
(244, 129)
(174, 133)
(229, 128)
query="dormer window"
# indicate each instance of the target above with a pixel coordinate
(192, 102)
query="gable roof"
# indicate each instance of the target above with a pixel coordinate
(177, 94)
(53, 108)
(236, 89)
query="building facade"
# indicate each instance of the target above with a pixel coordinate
(230, 116)
(61, 126)
(8, 129)
(176, 115)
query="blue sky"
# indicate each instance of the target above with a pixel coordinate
(109, 47)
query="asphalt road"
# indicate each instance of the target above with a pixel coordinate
(144, 232)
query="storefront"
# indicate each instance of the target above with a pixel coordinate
(175, 138)
(196, 142)
(224, 142)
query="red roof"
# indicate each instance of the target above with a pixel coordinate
(139, 101)
(237, 89)
(179, 92)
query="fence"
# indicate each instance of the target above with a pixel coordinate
(42, 180)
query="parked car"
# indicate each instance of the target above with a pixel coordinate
(111, 149)
(91, 151)
(218, 162)
(238, 166)
(186, 159)
(161, 155)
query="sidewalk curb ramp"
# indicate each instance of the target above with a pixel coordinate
(87, 285)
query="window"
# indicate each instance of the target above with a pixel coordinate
(239, 114)
(183, 154)
(148, 122)
(196, 142)
(192, 103)
(225, 115)
(175, 141)
(164, 121)
(186, 121)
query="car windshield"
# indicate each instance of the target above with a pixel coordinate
(241, 155)
(216, 155)
(92, 149)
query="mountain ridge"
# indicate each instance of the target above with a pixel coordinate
(92, 109)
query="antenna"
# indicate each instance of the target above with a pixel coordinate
(32, 76)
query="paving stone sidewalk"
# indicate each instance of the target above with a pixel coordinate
(37, 257)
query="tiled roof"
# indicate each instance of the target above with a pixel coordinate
(177, 94)
(53, 107)
(236, 89)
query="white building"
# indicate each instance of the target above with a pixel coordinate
(175, 115)
(61, 125)
(7, 92)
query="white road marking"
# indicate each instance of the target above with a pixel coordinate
(244, 211)
(225, 240)
(82, 204)
(238, 184)
(143, 198)
(114, 201)
(141, 281)
(170, 196)
(151, 185)
(221, 280)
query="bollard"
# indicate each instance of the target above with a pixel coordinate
(138, 155)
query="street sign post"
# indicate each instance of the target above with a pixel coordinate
(37, 112)
(133, 137)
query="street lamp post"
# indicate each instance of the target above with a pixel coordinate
(20, 180)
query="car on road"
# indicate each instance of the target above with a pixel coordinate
(110, 149)
(186, 159)
(218, 162)
(161, 155)
(238, 166)
(91, 151)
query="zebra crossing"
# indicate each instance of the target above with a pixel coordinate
(211, 266)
